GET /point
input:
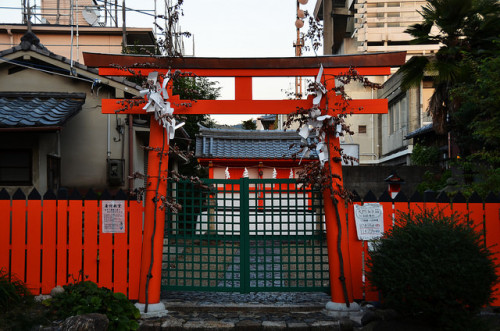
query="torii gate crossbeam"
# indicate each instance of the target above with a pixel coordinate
(243, 69)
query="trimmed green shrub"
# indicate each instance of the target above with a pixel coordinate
(86, 297)
(434, 268)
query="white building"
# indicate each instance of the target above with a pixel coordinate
(366, 26)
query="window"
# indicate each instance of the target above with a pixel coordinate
(15, 167)
(362, 129)
(398, 112)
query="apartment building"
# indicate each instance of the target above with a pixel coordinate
(371, 26)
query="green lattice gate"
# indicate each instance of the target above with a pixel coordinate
(245, 235)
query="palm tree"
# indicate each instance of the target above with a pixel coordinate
(464, 27)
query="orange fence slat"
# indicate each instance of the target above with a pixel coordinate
(91, 230)
(492, 222)
(371, 292)
(356, 254)
(388, 211)
(135, 248)
(120, 260)
(75, 239)
(444, 208)
(400, 208)
(62, 240)
(4, 234)
(34, 237)
(18, 238)
(416, 207)
(460, 208)
(476, 216)
(105, 257)
(49, 209)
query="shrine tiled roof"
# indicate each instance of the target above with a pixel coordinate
(245, 144)
(38, 110)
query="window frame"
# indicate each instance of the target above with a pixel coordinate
(28, 181)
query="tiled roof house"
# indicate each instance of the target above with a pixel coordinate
(52, 131)
(258, 151)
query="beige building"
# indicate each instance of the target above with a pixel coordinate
(42, 76)
(367, 26)
(89, 27)
(52, 132)
(90, 39)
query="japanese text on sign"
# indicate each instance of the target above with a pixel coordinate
(113, 216)
(369, 221)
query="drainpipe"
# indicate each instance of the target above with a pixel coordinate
(71, 49)
(130, 153)
(58, 16)
(58, 143)
(374, 157)
(77, 35)
(108, 153)
(11, 37)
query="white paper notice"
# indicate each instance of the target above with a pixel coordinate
(369, 221)
(113, 216)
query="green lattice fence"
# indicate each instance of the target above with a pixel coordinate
(245, 235)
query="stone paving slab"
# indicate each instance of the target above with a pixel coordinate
(253, 311)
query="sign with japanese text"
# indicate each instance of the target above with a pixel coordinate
(369, 221)
(113, 216)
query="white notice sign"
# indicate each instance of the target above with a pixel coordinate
(113, 216)
(369, 221)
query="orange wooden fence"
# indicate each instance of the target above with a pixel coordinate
(52, 241)
(484, 217)
(59, 239)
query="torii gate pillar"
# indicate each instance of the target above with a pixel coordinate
(243, 70)
(154, 220)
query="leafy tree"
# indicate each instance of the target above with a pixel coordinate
(464, 26)
(477, 124)
(196, 88)
(249, 124)
(425, 155)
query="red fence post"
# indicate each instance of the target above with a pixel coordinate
(459, 204)
(105, 251)
(136, 211)
(355, 253)
(91, 231)
(492, 223)
(120, 252)
(5, 210)
(371, 293)
(75, 237)
(49, 210)
(62, 238)
(18, 245)
(34, 245)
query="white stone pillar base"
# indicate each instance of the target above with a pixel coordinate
(154, 309)
(340, 310)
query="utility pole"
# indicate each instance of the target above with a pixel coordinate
(124, 25)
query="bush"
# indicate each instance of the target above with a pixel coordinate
(86, 297)
(13, 292)
(434, 268)
(18, 310)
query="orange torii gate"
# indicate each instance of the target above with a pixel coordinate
(243, 70)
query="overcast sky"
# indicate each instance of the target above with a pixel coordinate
(222, 28)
